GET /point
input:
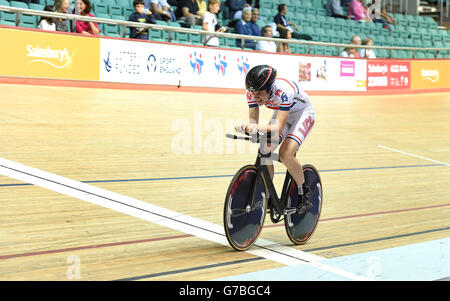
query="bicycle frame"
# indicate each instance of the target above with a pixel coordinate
(278, 203)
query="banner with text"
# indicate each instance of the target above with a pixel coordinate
(48, 55)
(428, 74)
(331, 74)
(388, 75)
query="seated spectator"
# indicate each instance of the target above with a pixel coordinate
(352, 51)
(188, 13)
(201, 7)
(244, 27)
(284, 25)
(367, 52)
(357, 11)
(235, 8)
(388, 18)
(62, 7)
(210, 23)
(161, 10)
(268, 46)
(141, 15)
(254, 21)
(90, 28)
(47, 23)
(382, 20)
(284, 47)
(334, 9)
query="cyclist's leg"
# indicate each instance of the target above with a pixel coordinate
(297, 134)
(265, 148)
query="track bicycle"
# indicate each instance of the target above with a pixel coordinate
(251, 195)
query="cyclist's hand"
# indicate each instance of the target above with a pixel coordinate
(250, 128)
(240, 128)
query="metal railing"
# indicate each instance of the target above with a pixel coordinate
(170, 30)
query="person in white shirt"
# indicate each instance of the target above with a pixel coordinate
(161, 10)
(367, 52)
(47, 23)
(210, 23)
(269, 46)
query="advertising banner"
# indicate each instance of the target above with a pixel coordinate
(427, 74)
(139, 62)
(48, 55)
(331, 74)
(388, 75)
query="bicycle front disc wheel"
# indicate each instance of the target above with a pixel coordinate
(300, 227)
(244, 219)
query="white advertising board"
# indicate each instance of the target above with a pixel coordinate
(164, 64)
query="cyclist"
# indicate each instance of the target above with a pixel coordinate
(292, 120)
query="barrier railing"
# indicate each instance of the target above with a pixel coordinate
(170, 29)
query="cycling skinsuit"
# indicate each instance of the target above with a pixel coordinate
(286, 95)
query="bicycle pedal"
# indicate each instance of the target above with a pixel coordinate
(289, 211)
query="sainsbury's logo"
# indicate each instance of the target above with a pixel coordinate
(431, 75)
(57, 58)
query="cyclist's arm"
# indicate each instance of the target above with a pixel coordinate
(278, 125)
(253, 115)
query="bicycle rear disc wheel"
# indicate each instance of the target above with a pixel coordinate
(243, 221)
(300, 227)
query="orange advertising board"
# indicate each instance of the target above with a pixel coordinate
(49, 55)
(430, 74)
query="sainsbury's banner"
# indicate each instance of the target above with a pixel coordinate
(331, 74)
(388, 75)
(428, 74)
(48, 55)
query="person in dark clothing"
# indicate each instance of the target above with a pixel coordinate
(283, 24)
(235, 6)
(187, 12)
(334, 9)
(245, 27)
(141, 17)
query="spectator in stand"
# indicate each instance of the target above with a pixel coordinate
(89, 28)
(255, 22)
(357, 11)
(381, 19)
(388, 18)
(47, 23)
(62, 6)
(245, 27)
(187, 12)
(352, 51)
(235, 8)
(201, 7)
(141, 15)
(268, 46)
(210, 23)
(334, 9)
(161, 10)
(367, 52)
(284, 25)
(284, 47)
(253, 19)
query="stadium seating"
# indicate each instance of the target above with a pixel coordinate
(309, 15)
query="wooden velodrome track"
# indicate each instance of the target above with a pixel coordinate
(146, 145)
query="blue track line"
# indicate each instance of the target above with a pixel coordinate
(227, 176)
